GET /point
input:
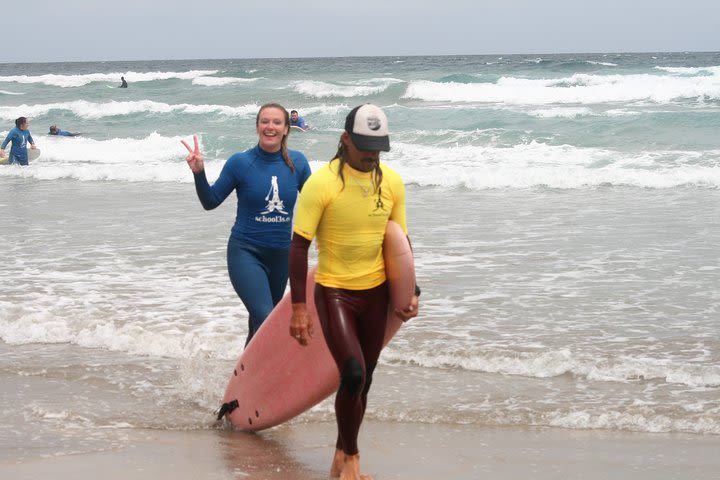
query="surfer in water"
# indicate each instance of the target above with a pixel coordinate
(20, 136)
(297, 121)
(266, 179)
(347, 205)
(54, 130)
(123, 83)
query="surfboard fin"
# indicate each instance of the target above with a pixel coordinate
(227, 408)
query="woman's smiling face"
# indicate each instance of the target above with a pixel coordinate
(271, 128)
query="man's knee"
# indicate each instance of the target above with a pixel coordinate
(352, 376)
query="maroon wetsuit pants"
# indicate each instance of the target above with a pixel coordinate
(353, 322)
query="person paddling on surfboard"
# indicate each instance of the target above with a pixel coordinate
(266, 179)
(54, 130)
(347, 205)
(20, 136)
(297, 121)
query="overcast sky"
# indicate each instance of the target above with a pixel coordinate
(71, 30)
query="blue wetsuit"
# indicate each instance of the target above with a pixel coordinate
(300, 122)
(63, 133)
(20, 139)
(259, 244)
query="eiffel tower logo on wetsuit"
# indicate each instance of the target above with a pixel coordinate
(379, 205)
(273, 199)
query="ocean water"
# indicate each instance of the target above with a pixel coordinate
(564, 211)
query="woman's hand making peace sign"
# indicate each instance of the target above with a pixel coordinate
(194, 158)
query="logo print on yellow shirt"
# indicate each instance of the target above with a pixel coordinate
(379, 205)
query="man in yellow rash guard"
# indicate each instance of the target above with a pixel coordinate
(346, 205)
(349, 222)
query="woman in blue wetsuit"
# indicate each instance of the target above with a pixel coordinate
(267, 179)
(19, 136)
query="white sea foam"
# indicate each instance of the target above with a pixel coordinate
(530, 165)
(713, 70)
(578, 89)
(5, 92)
(628, 368)
(92, 110)
(618, 112)
(84, 307)
(141, 336)
(562, 112)
(577, 112)
(89, 159)
(489, 413)
(153, 158)
(67, 81)
(319, 89)
(550, 363)
(540, 365)
(222, 81)
(95, 110)
(554, 166)
(638, 421)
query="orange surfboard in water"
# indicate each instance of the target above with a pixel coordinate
(277, 379)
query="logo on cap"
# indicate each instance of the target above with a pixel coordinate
(373, 123)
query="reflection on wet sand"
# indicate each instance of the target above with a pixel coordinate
(261, 455)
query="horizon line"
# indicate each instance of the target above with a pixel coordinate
(649, 52)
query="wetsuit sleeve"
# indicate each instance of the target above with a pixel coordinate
(212, 196)
(7, 140)
(202, 187)
(298, 266)
(30, 139)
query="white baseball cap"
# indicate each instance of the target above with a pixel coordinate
(368, 128)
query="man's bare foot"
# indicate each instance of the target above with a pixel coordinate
(351, 469)
(337, 464)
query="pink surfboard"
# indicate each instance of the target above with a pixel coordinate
(276, 378)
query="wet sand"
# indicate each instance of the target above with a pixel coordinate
(388, 451)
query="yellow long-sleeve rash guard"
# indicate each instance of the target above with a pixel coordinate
(349, 222)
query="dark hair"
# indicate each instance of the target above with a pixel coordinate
(283, 144)
(19, 121)
(293, 111)
(377, 171)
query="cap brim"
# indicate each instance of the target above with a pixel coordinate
(371, 144)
